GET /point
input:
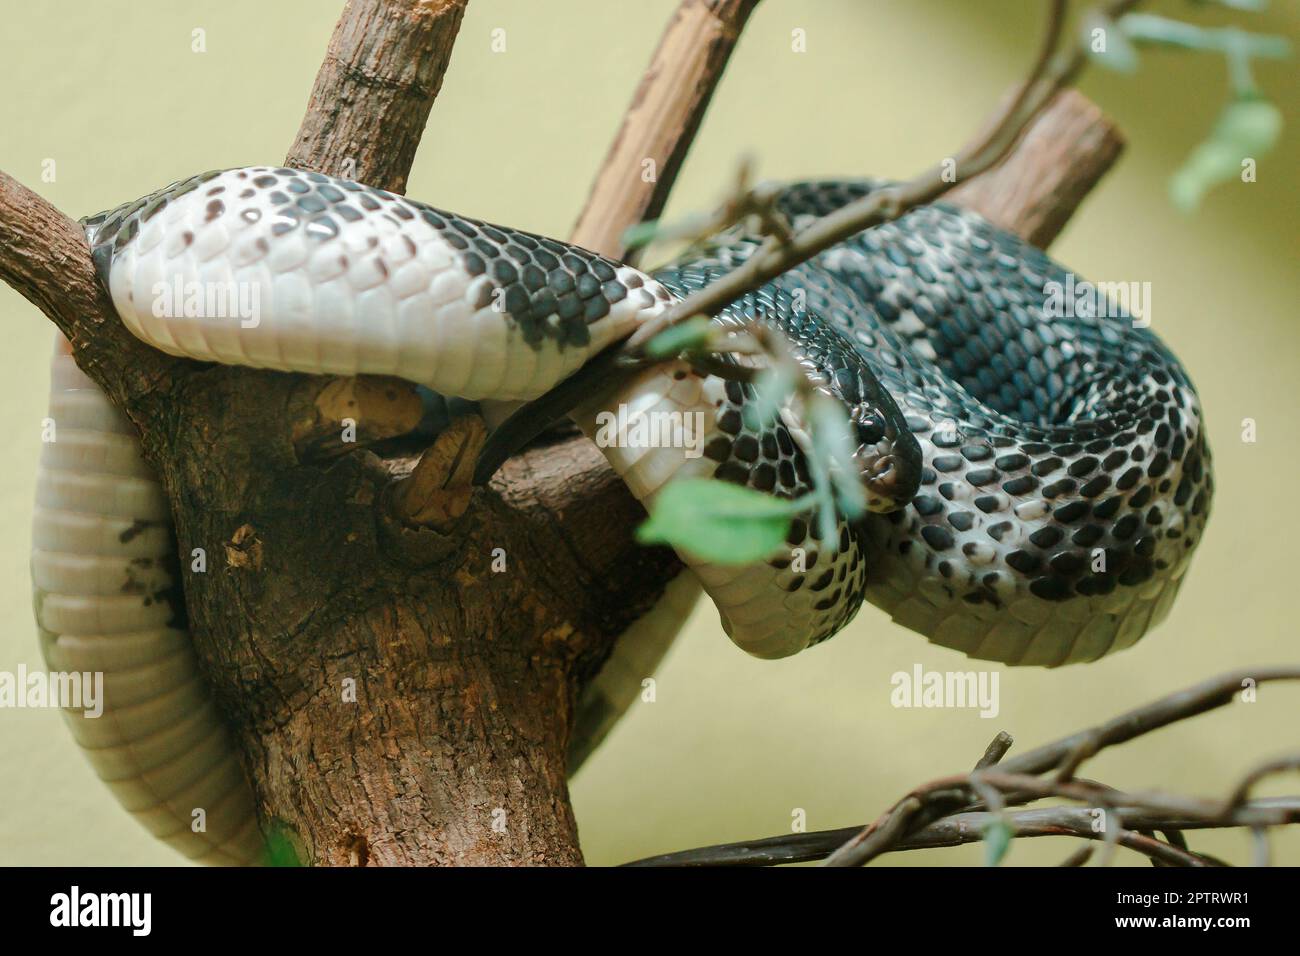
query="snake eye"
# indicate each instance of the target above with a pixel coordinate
(870, 430)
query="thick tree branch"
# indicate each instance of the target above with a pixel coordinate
(382, 71)
(463, 672)
(661, 122)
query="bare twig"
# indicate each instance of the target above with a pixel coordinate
(1240, 795)
(1199, 699)
(959, 829)
(956, 809)
(879, 836)
(996, 750)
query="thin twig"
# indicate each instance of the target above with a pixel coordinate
(1132, 818)
(959, 829)
(996, 750)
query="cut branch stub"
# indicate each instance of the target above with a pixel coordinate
(438, 490)
(1060, 158)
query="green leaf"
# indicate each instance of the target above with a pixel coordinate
(1247, 128)
(641, 234)
(279, 849)
(833, 442)
(689, 334)
(997, 841)
(773, 386)
(1251, 5)
(1107, 45)
(1252, 125)
(719, 521)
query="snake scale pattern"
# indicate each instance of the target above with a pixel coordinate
(1036, 483)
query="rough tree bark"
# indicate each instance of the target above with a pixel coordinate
(465, 676)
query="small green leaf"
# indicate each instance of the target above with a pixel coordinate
(771, 390)
(718, 521)
(641, 234)
(689, 334)
(833, 442)
(997, 841)
(1250, 124)
(1247, 128)
(279, 849)
(1107, 44)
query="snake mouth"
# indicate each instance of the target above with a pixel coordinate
(890, 471)
(881, 480)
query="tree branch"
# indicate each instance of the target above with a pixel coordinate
(1061, 157)
(661, 121)
(382, 71)
(959, 829)
(464, 679)
(1052, 72)
(958, 802)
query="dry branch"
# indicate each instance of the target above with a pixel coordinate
(44, 257)
(959, 829)
(382, 71)
(661, 121)
(958, 809)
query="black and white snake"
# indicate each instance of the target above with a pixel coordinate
(1037, 482)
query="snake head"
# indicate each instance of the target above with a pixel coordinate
(888, 456)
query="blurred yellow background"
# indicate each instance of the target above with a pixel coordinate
(112, 92)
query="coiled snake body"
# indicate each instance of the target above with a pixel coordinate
(1037, 481)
